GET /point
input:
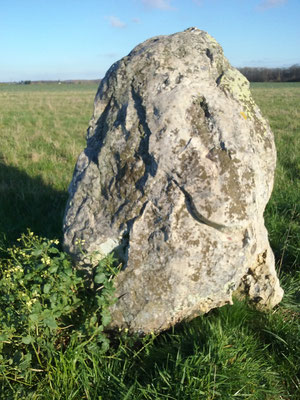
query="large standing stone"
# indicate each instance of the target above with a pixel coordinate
(177, 172)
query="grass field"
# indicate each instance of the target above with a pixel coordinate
(42, 132)
(234, 352)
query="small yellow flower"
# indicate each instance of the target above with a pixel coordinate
(79, 242)
(29, 303)
(46, 260)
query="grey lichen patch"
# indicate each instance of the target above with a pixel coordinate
(158, 286)
(231, 184)
(188, 161)
(225, 161)
(207, 208)
(191, 242)
(248, 176)
(195, 277)
(237, 206)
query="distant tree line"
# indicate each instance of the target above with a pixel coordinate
(255, 74)
(24, 82)
(69, 81)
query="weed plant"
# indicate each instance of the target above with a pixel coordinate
(51, 322)
(47, 305)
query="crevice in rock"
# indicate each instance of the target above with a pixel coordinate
(179, 78)
(204, 106)
(121, 172)
(143, 150)
(222, 145)
(209, 55)
(91, 155)
(246, 238)
(121, 121)
(209, 119)
(219, 78)
(119, 210)
(124, 242)
(249, 281)
(97, 139)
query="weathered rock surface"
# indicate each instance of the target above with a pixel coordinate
(176, 174)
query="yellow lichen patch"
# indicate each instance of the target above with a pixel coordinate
(243, 115)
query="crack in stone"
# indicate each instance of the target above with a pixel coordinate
(219, 78)
(186, 146)
(143, 150)
(210, 55)
(124, 243)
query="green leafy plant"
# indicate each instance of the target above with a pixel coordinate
(47, 305)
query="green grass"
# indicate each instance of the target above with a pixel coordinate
(280, 103)
(234, 352)
(275, 85)
(42, 132)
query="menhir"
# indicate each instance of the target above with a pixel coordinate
(178, 168)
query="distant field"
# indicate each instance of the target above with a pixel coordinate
(275, 85)
(48, 87)
(232, 353)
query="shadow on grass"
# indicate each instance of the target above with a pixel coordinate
(27, 202)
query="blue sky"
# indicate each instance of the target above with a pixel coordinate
(80, 39)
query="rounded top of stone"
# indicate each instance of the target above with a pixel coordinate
(192, 38)
(192, 29)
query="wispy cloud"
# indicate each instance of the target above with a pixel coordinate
(160, 4)
(267, 4)
(136, 20)
(116, 22)
(198, 2)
